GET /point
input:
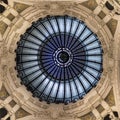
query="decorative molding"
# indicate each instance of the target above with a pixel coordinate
(21, 113)
(100, 108)
(110, 98)
(19, 7)
(91, 4)
(32, 12)
(112, 24)
(88, 116)
(3, 93)
(3, 27)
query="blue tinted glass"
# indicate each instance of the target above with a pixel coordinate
(59, 59)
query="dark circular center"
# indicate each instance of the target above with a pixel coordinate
(63, 57)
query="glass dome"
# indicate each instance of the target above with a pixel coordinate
(59, 59)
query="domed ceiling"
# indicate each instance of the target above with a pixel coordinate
(59, 60)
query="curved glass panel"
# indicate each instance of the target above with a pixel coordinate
(59, 59)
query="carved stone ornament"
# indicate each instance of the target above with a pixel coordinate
(30, 13)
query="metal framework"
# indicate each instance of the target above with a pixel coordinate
(59, 59)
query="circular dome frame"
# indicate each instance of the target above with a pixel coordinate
(18, 91)
(44, 73)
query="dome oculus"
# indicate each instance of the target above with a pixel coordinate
(59, 59)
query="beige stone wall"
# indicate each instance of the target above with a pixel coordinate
(100, 101)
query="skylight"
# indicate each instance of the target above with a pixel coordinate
(59, 59)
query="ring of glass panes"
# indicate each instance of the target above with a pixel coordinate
(59, 59)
